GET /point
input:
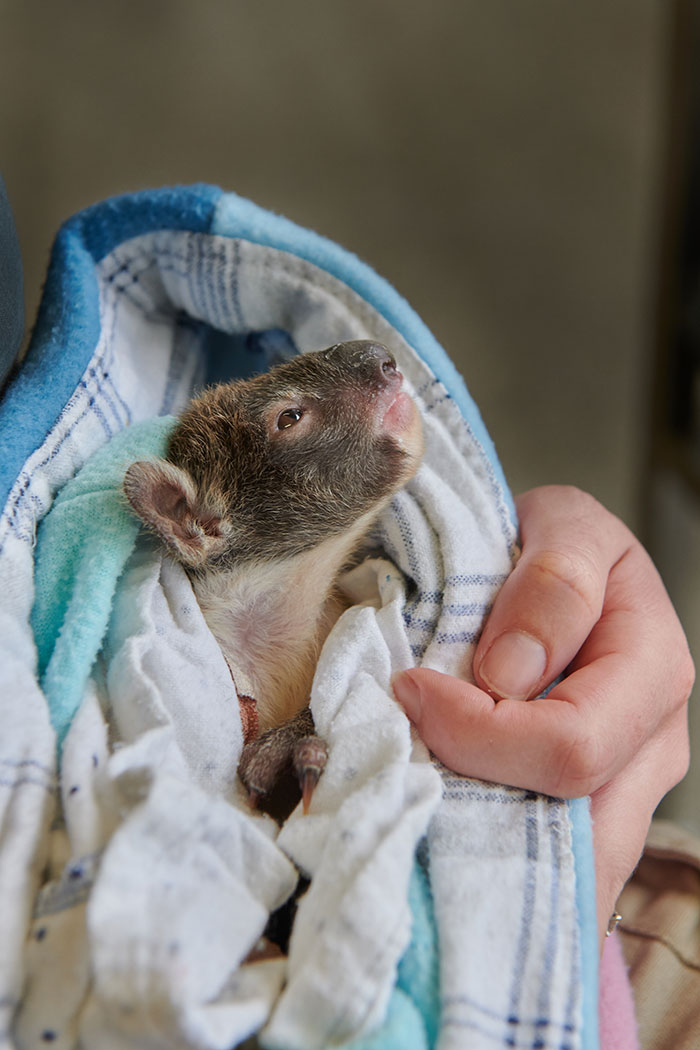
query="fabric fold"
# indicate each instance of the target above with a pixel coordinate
(159, 880)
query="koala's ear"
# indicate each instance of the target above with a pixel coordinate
(165, 498)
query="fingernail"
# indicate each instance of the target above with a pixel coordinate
(514, 665)
(408, 695)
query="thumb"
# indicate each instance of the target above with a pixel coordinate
(554, 597)
(470, 732)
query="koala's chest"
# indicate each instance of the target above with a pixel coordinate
(272, 631)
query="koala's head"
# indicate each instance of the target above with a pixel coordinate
(272, 466)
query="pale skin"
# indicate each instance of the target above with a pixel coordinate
(584, 599)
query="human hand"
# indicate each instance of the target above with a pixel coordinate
(584, 598)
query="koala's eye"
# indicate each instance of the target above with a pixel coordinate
(288, 418)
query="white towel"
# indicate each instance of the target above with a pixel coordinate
(168, 878)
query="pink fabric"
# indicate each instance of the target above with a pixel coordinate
(618, 1026)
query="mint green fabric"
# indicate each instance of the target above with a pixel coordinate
(83, 544)
(412, 1019)
(419, 969)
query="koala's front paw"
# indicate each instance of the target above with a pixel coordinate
(291, 747)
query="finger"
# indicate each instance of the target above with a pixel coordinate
(590, 725)
(549, 604)
(622, 811)
(507, 741)
(631, 674)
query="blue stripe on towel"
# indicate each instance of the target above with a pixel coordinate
(68, 324)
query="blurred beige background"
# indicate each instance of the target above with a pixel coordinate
(502, 164)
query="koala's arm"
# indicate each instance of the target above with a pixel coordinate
(292, 747)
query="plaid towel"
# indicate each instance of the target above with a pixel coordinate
(148, 296)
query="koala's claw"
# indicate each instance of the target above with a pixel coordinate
(292, 746)
(310, 757)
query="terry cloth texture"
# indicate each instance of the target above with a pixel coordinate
(159, 879)
(85, 543)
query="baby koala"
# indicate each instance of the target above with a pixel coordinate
(267, 488)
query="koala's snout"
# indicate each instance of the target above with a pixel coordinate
(369, 362)
(387, 367)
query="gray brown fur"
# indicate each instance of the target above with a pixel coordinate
(270, 482)
(285, 497)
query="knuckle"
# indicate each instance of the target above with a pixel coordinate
(686, 675)
(582, 762)
(676, 757)
(581, 507)
(575, 568)
(679, 767)
(678, 672)
(575, 499)
(581, 502)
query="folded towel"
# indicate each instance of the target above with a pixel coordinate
(81, 552)
(166, 879)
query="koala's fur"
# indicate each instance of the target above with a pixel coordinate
(267, 487)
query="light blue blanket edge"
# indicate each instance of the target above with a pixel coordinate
(83, 545)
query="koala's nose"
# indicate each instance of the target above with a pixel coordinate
(385, 364)
(371, 360)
